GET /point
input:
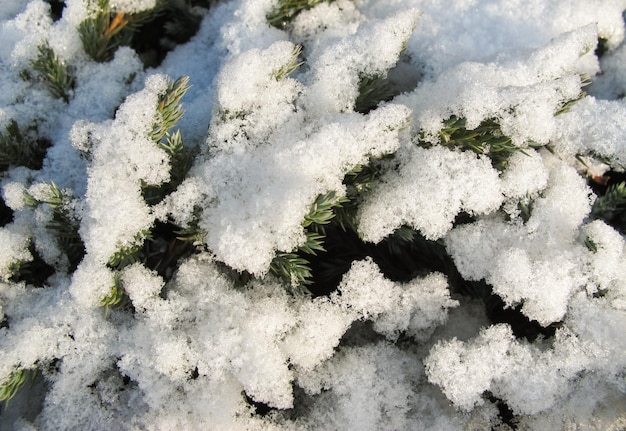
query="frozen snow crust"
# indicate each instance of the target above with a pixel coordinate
(217, 339)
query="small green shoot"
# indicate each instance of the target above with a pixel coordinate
(55, 75)
(14, 382)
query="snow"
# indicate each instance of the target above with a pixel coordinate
(406, 196)
(203, 337)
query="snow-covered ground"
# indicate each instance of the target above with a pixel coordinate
(268, 146)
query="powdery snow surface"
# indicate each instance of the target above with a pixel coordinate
(204, 345)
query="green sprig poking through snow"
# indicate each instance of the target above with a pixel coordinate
(486, 139)
(611, 204)
(14, 382)
(106, 30)
(63, 223)
(287, 10)
(20, 149)
(54, 73)
(291, 66)
(323, 210)
(294, 268)
(117, 297)
(169, 112)
(170, 109)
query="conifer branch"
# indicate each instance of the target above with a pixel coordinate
(293, 268)
(192, 233)
(14, 382)
(612, 202)
(18, 149)
(322, 210)
(291, 66)
(314, 243)
(486, 139)
(585, 80)
(169, 112)
(359, 181)
(105, 31)
(373, 89)
(64, 225)
(127, 255)
(116, 297)
(53, 73)
(287, 10)
(169, 108)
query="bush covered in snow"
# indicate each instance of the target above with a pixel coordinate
(313, 215)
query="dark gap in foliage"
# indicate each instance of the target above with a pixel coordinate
(260, 408)
(611, 203)
(28, 401)
(19, 147)
(402, 260)
(405, 255)
(360, 333)
(602, 47)
(342, 248)
(6, 214)
(35, 272)
(175, 24)
(165, 249)
(522, 326)
(56, 9)
(506, 415)
(376, 89)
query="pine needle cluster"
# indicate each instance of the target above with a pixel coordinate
(373, 89)
(611, 206)
(292, 65)
(14, 382)
(21, 149)
(169, 112)
(287, 10)
(117, 297)
(63, 223)
(487, 139)
(106, 30)
(294, 267)
(54, 73)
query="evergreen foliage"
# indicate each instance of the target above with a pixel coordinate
(169, 108)
(585, 80)
(14, 382)
(373, 89)
(53, 73)
(291, 66)
(21, 149)
(193, 344)
(486, 139)
(293, 267)
(169, 112)
(105, 31)
(611, 206)
(117, 297)
(129, 254)
(287, 10)
(63, 223)
(323, 210)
